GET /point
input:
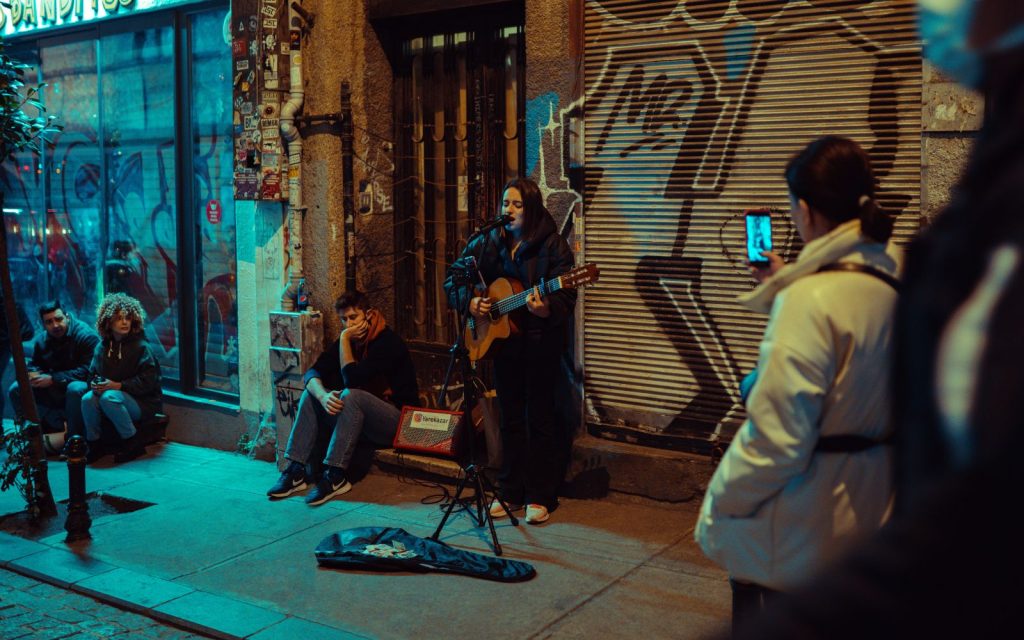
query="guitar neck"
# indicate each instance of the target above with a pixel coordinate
(517, 301)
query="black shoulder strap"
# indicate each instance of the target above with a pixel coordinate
(863, 268)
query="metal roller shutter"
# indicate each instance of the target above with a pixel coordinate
(691, 111)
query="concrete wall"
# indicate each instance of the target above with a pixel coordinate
(950, 119)
(342, 46)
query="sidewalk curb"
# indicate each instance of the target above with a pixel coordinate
(162, 600)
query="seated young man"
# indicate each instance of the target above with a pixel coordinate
(356, 388)
(61, 354)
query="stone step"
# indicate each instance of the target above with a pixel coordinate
(597, 467)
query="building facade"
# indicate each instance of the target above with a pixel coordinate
(650, 128)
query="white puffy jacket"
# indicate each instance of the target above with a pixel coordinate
(776, 510)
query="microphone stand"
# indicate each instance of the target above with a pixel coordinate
(471, 474)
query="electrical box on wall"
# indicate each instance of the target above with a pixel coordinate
(296, 341)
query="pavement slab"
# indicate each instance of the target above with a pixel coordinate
(13, 547)
(132, 589)
(216, 556)
(60, 567)
(217, 615)
(292, 628)
(650, 602)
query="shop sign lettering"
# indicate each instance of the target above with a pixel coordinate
(28, 15)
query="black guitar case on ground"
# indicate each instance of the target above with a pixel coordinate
(391, 549)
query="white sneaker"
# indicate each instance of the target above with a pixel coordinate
(536, 514)
(498, 511)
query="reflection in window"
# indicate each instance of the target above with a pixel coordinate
(138, 134)
(98, 212)
(217, 313)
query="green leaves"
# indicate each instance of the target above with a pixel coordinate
(18, 129)
(16, 467)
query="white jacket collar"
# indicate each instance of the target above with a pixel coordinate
(832, 246)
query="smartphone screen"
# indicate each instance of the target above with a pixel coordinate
(759, 235)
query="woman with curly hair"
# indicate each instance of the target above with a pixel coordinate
(124, 376)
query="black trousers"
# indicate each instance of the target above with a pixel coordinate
(748, 600)
(534, 440)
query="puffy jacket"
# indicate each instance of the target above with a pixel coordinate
(132, 363)
(776, 509)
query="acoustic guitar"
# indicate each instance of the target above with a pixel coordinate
(510, 296)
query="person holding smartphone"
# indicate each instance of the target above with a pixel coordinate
(808, 473)
(946, 564)
(124, 379)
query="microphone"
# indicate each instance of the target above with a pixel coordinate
(500, 221)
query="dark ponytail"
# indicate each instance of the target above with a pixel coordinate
(833, 176)
(875, 223)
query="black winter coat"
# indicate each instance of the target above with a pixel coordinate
(132, 363)
(547, 257)
(66, 359)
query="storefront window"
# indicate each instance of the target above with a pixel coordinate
(102, 210)
(217, 313)
(140, 248)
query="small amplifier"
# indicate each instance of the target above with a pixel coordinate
(428, 431)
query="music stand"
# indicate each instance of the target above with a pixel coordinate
(470, 474)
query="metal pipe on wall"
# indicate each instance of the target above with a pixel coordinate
(291, 136)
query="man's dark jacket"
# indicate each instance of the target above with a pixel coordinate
(66, 358)
(387, 357)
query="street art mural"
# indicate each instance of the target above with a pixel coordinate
(690, 112)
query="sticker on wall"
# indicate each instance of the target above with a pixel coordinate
(213, 211)
(271, 185)
(270, 70)
(270, 110)
(270, 23)
(247, 187)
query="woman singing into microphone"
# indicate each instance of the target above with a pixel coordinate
(528, 364)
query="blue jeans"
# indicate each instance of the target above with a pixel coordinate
(364, 414)
(53, 406)
(120, 407)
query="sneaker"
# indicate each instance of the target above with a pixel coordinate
(332, 483)
(130, 449)
(536, 514)
(498, 511)
(293, 479)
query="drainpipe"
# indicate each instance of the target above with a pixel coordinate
(290, 134)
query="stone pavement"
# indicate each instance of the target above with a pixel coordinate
(214, 556)
(31, 610)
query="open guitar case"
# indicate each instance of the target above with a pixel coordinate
(392, 549)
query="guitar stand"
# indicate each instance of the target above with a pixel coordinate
(471, 474)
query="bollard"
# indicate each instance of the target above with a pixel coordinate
(78, 521)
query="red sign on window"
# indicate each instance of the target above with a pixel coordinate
(213, 211)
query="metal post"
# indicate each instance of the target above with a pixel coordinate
(78, 521)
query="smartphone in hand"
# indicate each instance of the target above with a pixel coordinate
(759, 235)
